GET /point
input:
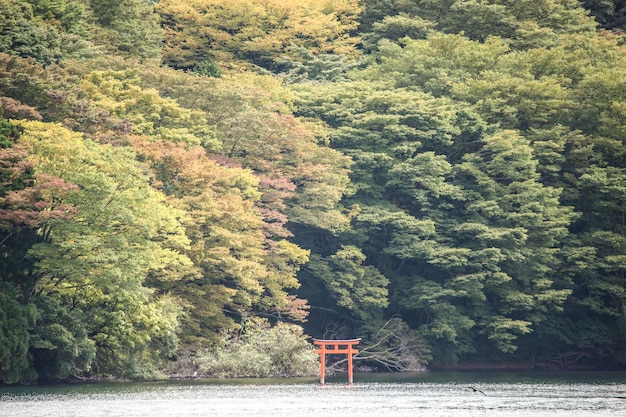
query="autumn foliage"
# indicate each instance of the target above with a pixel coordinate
(185, 185)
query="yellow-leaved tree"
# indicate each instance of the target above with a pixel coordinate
(254, 31)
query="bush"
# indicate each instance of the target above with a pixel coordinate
(262, 351)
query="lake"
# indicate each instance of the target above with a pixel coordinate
(430, 394)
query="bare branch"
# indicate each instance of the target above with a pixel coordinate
(393, 347)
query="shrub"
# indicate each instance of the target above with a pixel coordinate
(262, 351)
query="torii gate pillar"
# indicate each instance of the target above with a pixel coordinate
(332, 347)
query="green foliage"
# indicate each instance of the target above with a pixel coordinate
(479, 19)
(15, 320)
(479, 232)
(375, 11)
(122, 23)
(99, 259)
(21, 80)
(27, 201)
(307, 66)
(257, 131)
(9, 133)
(396, 28)
(262, 351)
(525, 23)
(503, 332)
(58, 343)
(457, 165)
(43, 30)
(359, 288)
(208, 68)
(134, 334)
(69, 14)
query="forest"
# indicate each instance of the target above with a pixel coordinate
(202, 186)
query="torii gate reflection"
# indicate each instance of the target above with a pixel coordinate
(332, 347)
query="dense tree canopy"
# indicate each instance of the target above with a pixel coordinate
(258, 32)
(186, 183)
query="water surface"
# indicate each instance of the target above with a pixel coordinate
(427, 394)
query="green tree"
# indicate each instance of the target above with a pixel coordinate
(129, 27)
(454, 216)
(45, 31)
(396, 28)
(525, 23)
(307, 66)
(375, 11)
(27, 201)
(22, 80)
(357, 287)
(527, 223)
(59, 343)
(439, 62)
(98, 260)
(15, 364)
(599, 295)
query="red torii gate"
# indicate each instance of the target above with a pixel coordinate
(332, 347)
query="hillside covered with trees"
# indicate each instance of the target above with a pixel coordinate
(203, 185)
